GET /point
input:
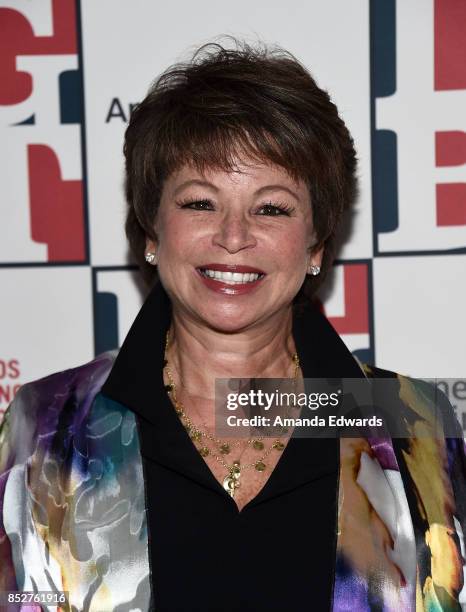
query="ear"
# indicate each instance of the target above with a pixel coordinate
(315, 257)
(151, 245)
(151, 251)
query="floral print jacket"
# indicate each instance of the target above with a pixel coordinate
(73, 515)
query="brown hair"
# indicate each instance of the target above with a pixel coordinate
(229, 102)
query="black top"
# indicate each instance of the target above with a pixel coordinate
(278, 553)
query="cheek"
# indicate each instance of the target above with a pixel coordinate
(291, 248)
(176, 235)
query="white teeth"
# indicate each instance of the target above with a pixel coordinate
(232, 278)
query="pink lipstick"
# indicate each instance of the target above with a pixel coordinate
(230, 279)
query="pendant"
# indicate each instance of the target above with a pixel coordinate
(231, 482)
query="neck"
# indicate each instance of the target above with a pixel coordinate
(198, 354)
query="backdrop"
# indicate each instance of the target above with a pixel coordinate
(70, 73)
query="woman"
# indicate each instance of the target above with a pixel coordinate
(115, 487)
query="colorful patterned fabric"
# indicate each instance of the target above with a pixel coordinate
(402, 510)
(72, 508)
(73, 516)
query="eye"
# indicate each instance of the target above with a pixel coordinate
(275, 209)
(203, 204)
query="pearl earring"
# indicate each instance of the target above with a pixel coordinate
(150, 258)
(314, 270)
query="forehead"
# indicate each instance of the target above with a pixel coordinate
(247, 175)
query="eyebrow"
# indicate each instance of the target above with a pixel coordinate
(275, 188)
(195, 182)
(259, 191)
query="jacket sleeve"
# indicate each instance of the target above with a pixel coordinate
(456, 452)
(17, 430)
(17, 434)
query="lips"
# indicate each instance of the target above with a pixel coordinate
(230, 268)
(230, 279)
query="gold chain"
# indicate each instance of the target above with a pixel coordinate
(232, 481)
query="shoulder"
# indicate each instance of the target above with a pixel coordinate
(83, 378)
(401, 382)
(422, 398)
(58, 401)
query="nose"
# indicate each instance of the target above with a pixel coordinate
(234, 232)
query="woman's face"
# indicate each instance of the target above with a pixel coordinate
(233, 248)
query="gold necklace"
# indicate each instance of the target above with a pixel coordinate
(232, 480)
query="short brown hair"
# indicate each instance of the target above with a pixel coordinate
(227, 102)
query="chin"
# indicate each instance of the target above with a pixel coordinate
(229, 320)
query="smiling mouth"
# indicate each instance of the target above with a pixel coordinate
(231, 278)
